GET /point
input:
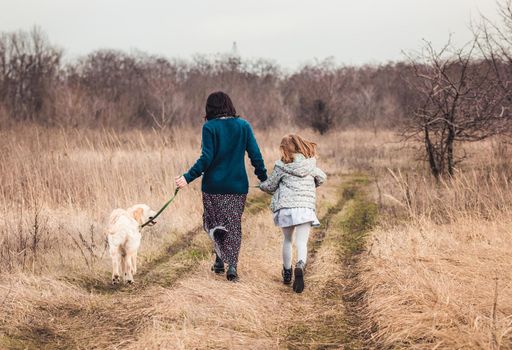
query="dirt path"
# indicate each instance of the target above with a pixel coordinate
(178, 303)
(336, 298)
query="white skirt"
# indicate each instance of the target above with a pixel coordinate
(287, 217)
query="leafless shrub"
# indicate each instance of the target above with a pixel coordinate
(88, 247)
(461, 101)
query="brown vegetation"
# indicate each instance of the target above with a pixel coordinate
(428, 274)
(57, 295)
(110, 88)
(403, 259)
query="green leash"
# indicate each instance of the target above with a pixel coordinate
(151, 219)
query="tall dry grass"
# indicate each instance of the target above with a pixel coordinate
(59, 185)
(439, 276)
(200, 311)
(436, 274)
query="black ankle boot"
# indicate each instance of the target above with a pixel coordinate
(298, 282)
(218, 266)
(231, 275)
(287, 275)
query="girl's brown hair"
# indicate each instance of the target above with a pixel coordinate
(293, 143)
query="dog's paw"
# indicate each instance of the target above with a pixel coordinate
(130, 281)
(115, 280)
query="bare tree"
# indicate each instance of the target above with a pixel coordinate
(29, 67)
(495, 44)
(461, 101)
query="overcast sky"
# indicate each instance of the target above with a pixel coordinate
(290, 32)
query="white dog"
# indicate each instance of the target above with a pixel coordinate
(123, 235)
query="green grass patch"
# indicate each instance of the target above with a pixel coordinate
(360, 216)
(168, 271)
(196, 254)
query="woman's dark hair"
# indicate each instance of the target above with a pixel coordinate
(218, 105)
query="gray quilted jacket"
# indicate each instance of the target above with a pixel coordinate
(293, 185)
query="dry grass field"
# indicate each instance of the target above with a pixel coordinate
(441, 277)
(399, 262)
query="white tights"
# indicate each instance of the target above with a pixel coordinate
(301, 242)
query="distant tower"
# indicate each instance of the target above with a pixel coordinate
(234, 58)
(234, 49)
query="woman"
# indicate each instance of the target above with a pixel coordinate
(225, 139)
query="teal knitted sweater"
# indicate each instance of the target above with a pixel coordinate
(222, 160)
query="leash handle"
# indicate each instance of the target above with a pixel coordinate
(161, 209)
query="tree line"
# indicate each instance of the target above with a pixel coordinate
(114, 88)
(440, 98)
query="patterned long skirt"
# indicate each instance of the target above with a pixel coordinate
(225, 211)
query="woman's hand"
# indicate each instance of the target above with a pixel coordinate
(180, 181)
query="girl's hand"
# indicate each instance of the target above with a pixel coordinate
(180, 181)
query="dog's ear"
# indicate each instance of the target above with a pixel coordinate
(137, 215)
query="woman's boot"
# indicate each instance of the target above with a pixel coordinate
(231, 275)
(218, 266)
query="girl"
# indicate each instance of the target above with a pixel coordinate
(225, 139)
(293, 184)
